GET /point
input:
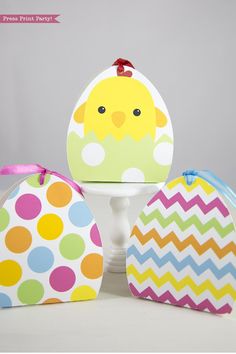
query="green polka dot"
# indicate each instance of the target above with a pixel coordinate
(33, 180)
(72, 246)
(4, 219)
(30, 292)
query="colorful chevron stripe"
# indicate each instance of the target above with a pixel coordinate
(185, 224)
(179, 285)
(180, 265)
(205, 305)
(170, 261)
(186, 205)
(205, 186)
(181, 245)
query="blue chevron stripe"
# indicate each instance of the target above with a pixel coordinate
(180, 265)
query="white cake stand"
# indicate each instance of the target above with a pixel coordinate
(119, 194)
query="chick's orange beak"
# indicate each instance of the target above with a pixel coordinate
(118, 118)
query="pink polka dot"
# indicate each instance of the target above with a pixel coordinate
(95, 236)
(28, 206)
(62, 279)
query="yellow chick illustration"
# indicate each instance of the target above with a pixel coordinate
(120, 106)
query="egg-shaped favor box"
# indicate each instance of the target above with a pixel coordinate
(50, 248)
(182, 250)
(120, 129)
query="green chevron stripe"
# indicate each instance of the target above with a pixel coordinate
(185, 224)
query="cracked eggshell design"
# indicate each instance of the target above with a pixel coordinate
(182, 250)
(50, 247)
(108, 141)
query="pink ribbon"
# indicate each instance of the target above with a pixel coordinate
(24, 169)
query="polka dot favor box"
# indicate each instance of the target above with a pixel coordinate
(50, 247)
(120, 129)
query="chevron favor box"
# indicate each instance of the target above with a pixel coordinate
(182, 250)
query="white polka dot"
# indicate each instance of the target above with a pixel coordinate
(93, 154)
(133, 175)
(163, 153)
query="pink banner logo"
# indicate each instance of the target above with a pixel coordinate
(29, 18)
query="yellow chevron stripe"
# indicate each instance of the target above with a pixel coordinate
(207, 188)
(179, 285)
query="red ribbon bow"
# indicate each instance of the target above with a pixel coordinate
(120, 67)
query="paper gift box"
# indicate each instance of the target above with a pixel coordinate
(120, 129)
(50, 247)
(182, 250)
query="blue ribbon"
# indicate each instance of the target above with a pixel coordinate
(221, 186)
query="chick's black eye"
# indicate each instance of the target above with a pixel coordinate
(136, 112)
(101, 109)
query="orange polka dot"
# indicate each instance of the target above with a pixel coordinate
(92, 266)
(52, 300)
(18, 239)
(59, 194)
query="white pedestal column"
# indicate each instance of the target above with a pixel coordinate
(119, 194)
(120, 234)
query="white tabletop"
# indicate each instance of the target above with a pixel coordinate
(114, 322)
(120, 189)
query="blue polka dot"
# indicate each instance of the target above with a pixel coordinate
(80, 215)
(5, 301)
(40, 259)
(14, 193)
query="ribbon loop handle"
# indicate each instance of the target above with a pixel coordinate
(219, 184)
(24, 169)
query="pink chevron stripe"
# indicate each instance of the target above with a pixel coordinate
(205, 305)
(186, 205)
